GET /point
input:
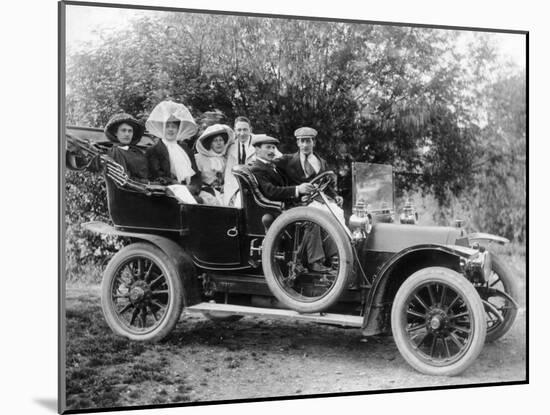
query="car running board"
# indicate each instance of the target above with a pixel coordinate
(325, 318)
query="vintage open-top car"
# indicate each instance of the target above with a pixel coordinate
(438, 290)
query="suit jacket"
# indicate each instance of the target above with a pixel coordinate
(158, 162)
(233, 151)
(272, 183)
(292, 168)
(231, 186)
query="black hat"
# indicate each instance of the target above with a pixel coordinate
(123, 118)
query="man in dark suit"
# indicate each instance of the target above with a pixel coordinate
(304, 165)
(275, 186)
(272, 183)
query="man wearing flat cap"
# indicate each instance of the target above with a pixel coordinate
(272, 183)
(241, 152)
(275, 186)
(304, 165)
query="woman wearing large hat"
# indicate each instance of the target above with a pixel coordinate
(124, 131)
(211, 160)
(171, 160)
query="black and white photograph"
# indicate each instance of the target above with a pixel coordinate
(269, 206)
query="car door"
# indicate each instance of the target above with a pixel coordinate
(214, 235)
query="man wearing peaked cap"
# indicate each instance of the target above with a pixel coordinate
(260, 139)
(304, 132)
(300, 168)
(305, 164)
(272, 184)
(242, 151)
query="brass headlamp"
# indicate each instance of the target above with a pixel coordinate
(359, 221)
(478, 267)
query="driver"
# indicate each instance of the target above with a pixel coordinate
(304, 165)
(274, 186)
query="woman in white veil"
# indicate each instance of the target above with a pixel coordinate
(170, 160)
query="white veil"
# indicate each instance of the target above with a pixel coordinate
(180, 164)
(156, 122)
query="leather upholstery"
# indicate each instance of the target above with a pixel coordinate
(246, 178)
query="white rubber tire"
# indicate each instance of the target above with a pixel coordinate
(335, 231)
(173, 282)
(471, 299)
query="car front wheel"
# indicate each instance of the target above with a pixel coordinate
(438, 322)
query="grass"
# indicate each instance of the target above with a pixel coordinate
(89, 273)
(103, 369)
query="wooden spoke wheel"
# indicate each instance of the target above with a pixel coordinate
(141, 293)
(286, 252)
(438, 322)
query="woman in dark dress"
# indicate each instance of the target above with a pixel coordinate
(125, 132)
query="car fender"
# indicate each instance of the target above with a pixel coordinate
(486, 237)
(396, 270)
(182, 260)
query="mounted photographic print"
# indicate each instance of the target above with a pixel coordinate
(265, 207)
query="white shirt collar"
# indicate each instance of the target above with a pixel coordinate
(246, 142)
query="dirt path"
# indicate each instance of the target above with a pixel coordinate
(250, 358)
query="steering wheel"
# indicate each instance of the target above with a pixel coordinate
(321, 182)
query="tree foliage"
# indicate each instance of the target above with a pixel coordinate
(86, 201)
(409, 97)
(500, 196)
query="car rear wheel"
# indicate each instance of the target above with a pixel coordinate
(141, 293)
(438, 322)
(286, 251)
